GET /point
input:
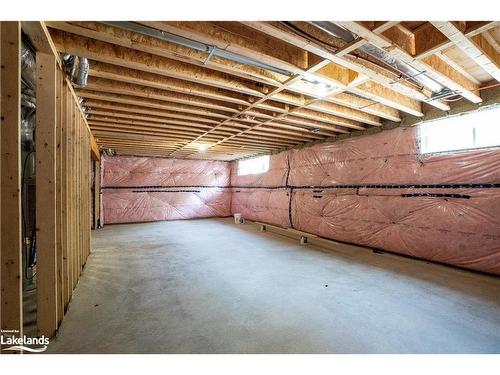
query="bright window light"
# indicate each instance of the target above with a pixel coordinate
(256, 165)
(470, 131)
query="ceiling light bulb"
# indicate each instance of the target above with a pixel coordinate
(202, 147)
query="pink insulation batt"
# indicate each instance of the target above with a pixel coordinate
(454, 225)
(143, 192)
(462, 231)
(263, 204)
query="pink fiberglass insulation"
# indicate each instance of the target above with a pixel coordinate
(458, 226)
(131, 205)
(137, 189)
(458, 231)
(389, 157)
(275, 176)
(143, 171)
(266, 205)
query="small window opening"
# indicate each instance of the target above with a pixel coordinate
(256, 165)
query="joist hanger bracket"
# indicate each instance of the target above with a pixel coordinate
(211, 50)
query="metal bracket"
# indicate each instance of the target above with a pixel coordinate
(443, 94)
(407, 78)
(210, 53)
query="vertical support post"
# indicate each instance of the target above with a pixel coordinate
(46, 149)
(11, 307)
(97, 195)
(65, 195)
(72, 198)
(59, 192)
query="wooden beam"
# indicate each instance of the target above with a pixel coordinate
(117, 87)
(433, 67)
(220, 35)
(101, 105)
(374, 73)
(94, 150)
(128, 58)
(476, 47)
(150, 103)
(11, 307)
(59, 196)
(65, 199)
(430, 41)
(235, 37)
(160, 47)
(40, 37)
(46, 118)
(138, 77)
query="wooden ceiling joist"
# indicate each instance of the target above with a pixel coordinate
(118, 73)
(222, 35)
(196, 74)
(293, 82)
(116, 87)
(476, 47)
(150, 103)
(139, 110)
(147, 120)
(429, 40)
(376, 75)
(433, 67)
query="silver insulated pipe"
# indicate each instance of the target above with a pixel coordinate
(379, 54)
(77, 68)
(80, 71)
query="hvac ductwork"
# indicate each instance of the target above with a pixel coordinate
(379, 54)
(80, 71)
(77, 69)
(28, 96)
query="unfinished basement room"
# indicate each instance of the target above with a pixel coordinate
(250, 187)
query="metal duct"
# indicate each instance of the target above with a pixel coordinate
(80, 71)
(28, 96)
(211, 50)
(77, 68)
(28, 67)
(28, 128)
(28, 80)
(405, 69)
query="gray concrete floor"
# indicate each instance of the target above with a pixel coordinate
(210, 286)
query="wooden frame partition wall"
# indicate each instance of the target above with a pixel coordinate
(65, 151)
(63, 192)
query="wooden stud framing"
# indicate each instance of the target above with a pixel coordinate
(46, 191)
(64, 151)
(11, 310)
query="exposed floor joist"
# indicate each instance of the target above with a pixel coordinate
(262, 86)
(476, 47)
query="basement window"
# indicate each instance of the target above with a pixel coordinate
(256, 165)
(475, 130)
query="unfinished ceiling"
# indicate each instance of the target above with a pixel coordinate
(226, 90)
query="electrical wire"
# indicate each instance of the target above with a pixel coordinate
(456, 98)
(488, 87)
